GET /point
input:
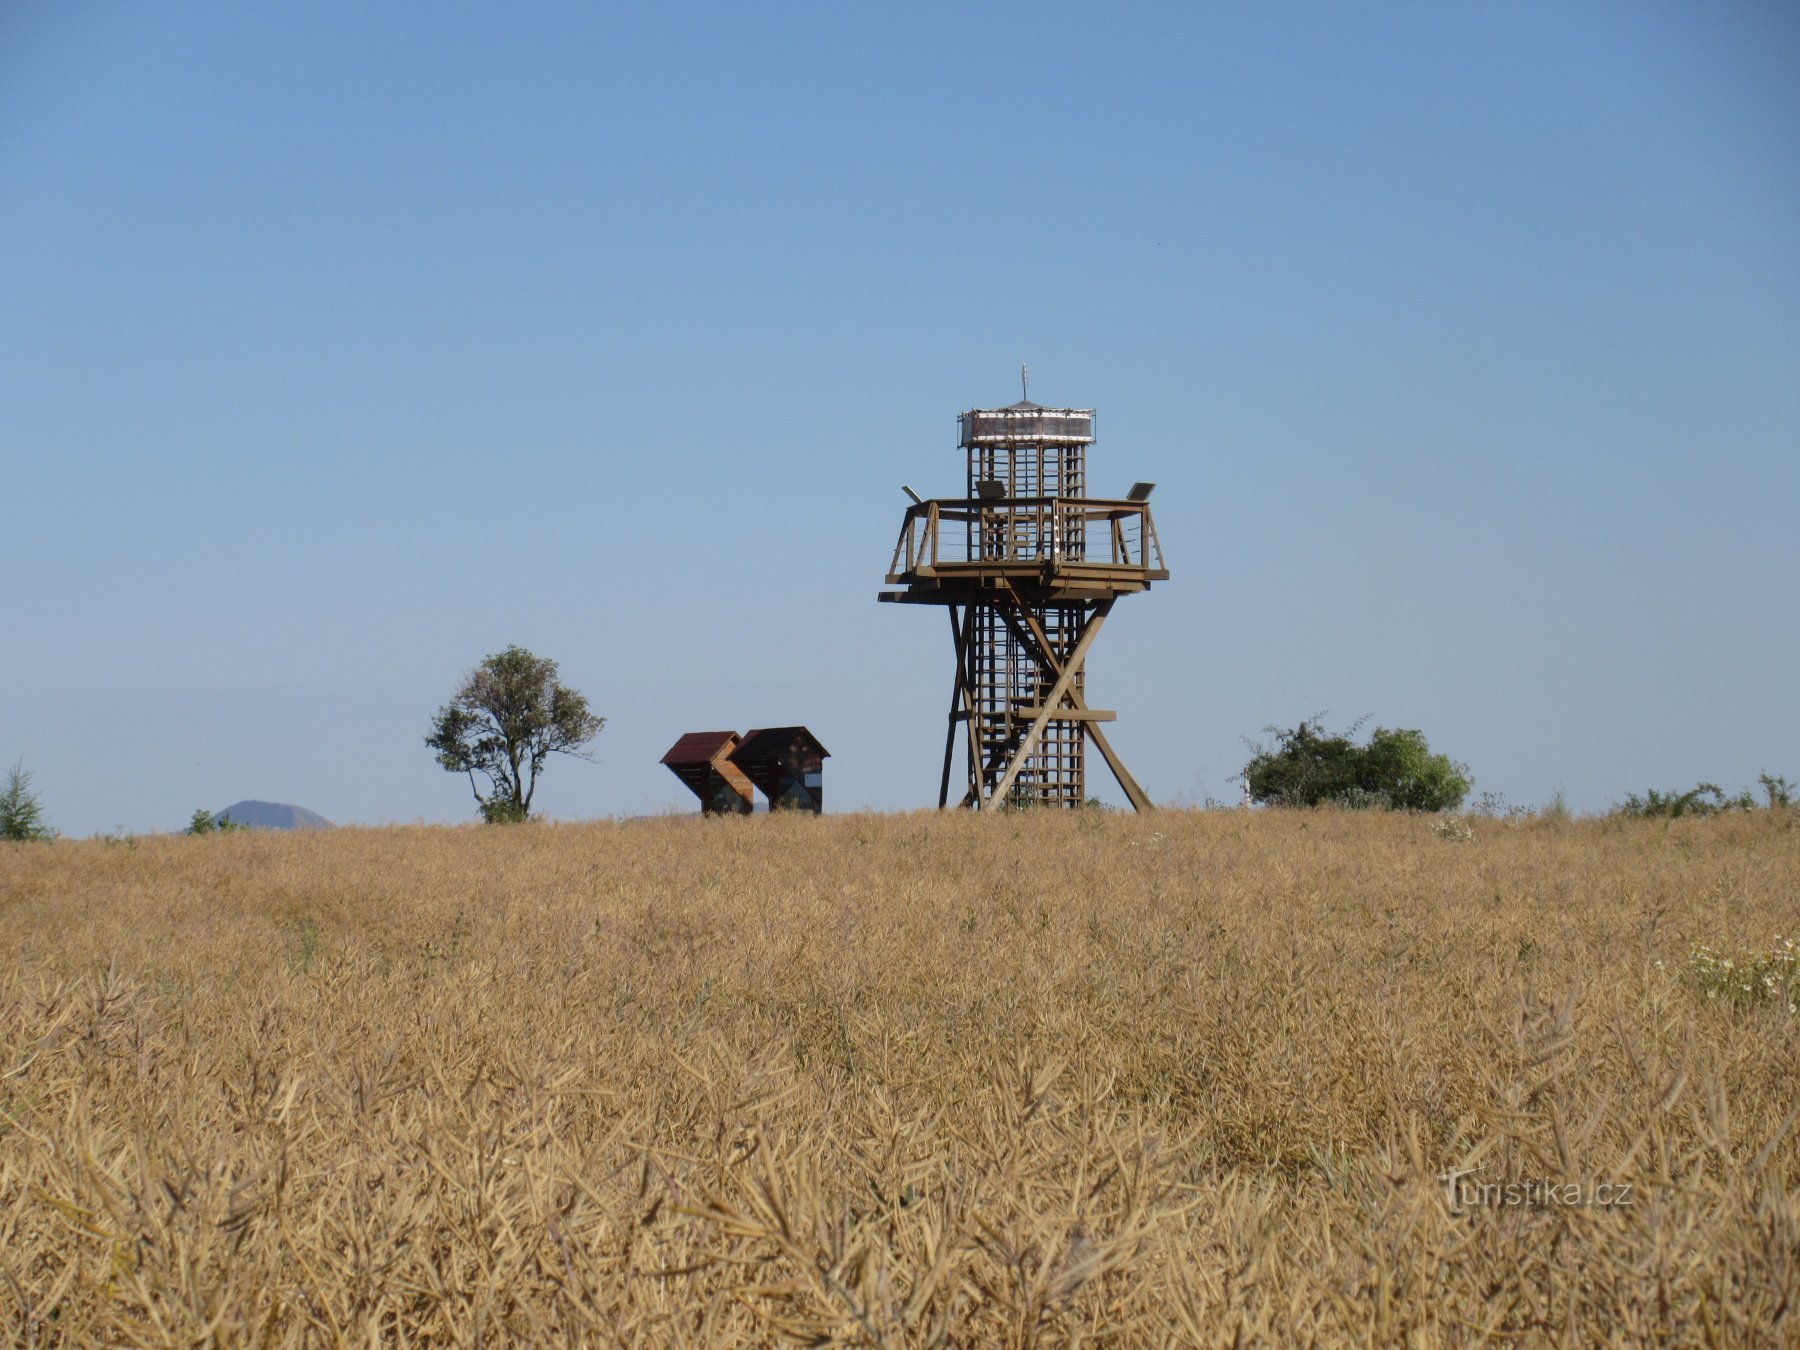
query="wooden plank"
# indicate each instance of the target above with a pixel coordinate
(1069, 714)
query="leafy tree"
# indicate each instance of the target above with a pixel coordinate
(506, 719)
(1309, 765)
(1401, 765)
(21, 814)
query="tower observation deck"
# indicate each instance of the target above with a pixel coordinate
(1028, 566)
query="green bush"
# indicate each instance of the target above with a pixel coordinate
(1707, 799)
(205, 822)
(503, 811)
(1310, 766)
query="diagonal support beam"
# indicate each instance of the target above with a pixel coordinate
(1043, 652)
(1031, 635)
(1064, 679)
(1139, 799)
(979, 774)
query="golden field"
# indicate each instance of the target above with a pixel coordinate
(1193, 1077)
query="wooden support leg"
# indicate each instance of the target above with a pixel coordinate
(976, 772)
(959, 698)
(955, 702)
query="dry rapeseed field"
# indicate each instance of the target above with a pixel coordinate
(1028, 1078)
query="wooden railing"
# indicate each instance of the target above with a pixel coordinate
(1060, 531)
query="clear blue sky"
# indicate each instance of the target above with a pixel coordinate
(342, 344)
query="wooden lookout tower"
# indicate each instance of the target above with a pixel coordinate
(1028, 566)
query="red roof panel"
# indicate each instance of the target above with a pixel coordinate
(700, 747)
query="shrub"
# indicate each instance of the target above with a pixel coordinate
(205, 822)
(1309, 766)
(504, 811)
(1707, 799)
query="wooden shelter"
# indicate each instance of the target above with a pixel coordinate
(1028, 566)
(787, 764)
(702, 760)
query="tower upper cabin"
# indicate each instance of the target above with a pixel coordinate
(1030, 451)
(1025, 518)
(1026, 423)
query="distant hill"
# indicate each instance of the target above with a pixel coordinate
(274, 816)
